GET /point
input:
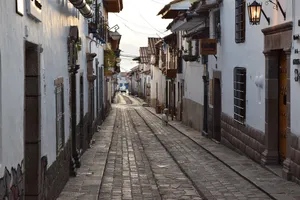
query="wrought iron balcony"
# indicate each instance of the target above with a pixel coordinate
(98, 25)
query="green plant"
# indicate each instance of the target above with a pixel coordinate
(89, 2)
(79, 44)
(109, 58)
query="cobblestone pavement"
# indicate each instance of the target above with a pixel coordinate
(86, 185)
(272, 184)
(136, 157)
(212, 177)
(139, 167)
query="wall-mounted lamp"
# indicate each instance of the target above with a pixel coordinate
(254, 12)
(115, 35)
(297, 75)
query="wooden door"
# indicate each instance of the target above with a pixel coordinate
(181, 100)
(282, 105)
(217, 102)
(156, 95)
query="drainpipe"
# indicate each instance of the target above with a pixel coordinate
(83, 8)
(205, 84)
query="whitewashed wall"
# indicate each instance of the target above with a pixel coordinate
(193, 82)
(52, 33)
(295, 86)
(249, 55)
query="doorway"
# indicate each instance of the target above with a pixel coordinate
(181, 100)
(81, 110)
(217, 102)
(282, 107)
(32, 121)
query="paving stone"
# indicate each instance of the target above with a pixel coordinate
(86, 184)
(210, 175)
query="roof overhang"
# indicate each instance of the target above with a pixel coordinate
(114, 6)
(199, 8)
(171, 10)
(170, 38)
(187, 23)
(198, 33)
(137, 59)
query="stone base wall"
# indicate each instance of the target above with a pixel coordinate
(82, 134)
(56, 176)
(295, 158)
(241, 137)
(192, 114)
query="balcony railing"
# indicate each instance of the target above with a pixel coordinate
(98, 24)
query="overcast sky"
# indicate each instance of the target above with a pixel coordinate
(137, 21)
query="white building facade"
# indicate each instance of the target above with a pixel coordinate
(47, 47)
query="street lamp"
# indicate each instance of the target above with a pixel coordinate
(254, 12)
(115, 35)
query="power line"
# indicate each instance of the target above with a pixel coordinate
(126, 20)
(150, 24)
(136, 31)
(157, 2)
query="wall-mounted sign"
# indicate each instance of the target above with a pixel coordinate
(208, 46)
(20, 7)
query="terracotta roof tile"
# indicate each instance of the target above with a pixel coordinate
(151, 45)
(144, 54)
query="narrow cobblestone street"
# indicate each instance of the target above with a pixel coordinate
(146, 160)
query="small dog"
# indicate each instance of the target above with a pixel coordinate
(165, 117)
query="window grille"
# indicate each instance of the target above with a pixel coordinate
(60, 127)
(240, 94)
(240, 15)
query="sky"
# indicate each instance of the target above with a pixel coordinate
(137, 21)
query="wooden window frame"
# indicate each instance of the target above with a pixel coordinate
(239, 94)
(60, 114)
(240, 21)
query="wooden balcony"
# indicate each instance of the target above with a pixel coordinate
(114, 6)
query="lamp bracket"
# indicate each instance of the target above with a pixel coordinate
(116, 27)
(267, 18)
(276, 6)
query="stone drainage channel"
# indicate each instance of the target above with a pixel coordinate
(150, 161)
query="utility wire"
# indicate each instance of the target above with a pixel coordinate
(158, 2)
(126, 20)
(150, 24)
(136, 31)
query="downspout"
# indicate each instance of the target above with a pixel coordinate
(83, 8)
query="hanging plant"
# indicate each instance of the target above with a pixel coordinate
(109, 58)
(79, 44)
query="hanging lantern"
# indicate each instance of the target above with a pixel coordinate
(254, 12)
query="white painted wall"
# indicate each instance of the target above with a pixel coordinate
(52, 33)
(295, 86)
(193, 82)
(248, 55)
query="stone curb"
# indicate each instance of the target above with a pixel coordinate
(113, 114)
(253, 183)
(75, 188)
